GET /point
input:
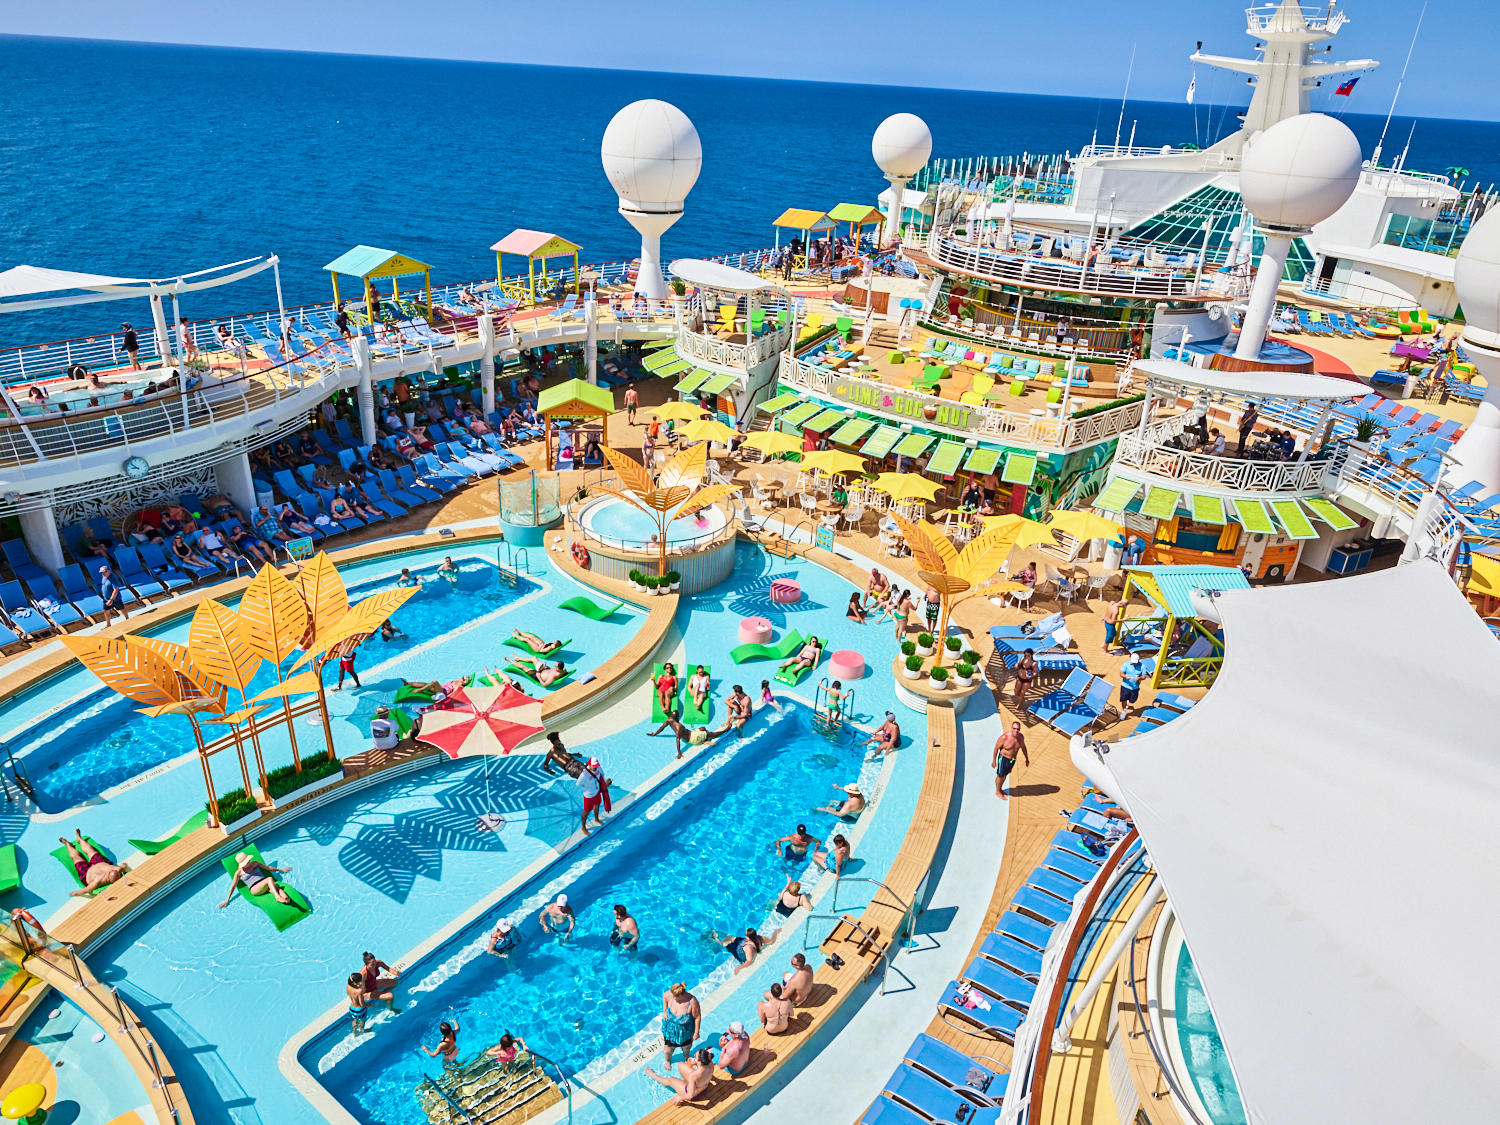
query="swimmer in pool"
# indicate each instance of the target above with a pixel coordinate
(504, 940)
(534, 642)
(447, 1045)
(851, 807)
(626, 934)
(797, 843)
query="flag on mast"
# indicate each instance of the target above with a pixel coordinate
(1192, 89)
(1346, 89)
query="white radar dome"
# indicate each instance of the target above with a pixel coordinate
(1476, 275)
(652, 155)
(1300, 170)
(902, 144)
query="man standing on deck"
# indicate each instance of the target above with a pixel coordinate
(132, 346)
(632, 400)
(1247, 427)
(1003, 760)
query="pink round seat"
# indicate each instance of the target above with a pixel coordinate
(846, 664)
(786, 590)
(755, 631)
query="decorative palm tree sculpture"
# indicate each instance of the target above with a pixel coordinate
(953, 573)
(671, 495)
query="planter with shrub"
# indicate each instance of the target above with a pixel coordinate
(908, 648)
(286, 784)
(925, 644)
(953, 644)
(673, 580)
(938, 678)
(637, 581)
(969, 657)
(913, 669)
(652, 583)
(963, 675)
(236, 809)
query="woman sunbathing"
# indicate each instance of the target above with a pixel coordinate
(534, 642)
(666, 686)
(544, 672)
(698, 686)
(808, 657)
(258, 878)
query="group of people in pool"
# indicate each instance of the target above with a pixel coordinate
(738, 705)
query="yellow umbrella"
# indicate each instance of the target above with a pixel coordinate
(1027, 533)
(773, 441)
(1085, 525)
(833, 461)
(1485, 576)
(673, 410)
(906, 486)
(708, 429)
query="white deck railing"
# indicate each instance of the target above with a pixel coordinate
(1230, 474)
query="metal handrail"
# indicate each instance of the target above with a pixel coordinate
(885, 950)
(457, 1109)
(839, 880)
(1161, 1065)
(562, 1080)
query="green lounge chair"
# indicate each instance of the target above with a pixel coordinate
(406, 692)
(526, 673)
(778, 651)
(10, 871)
(657, 714)
(794, 676)
(281, 915)
(152, 847)
(690, 714)
(516, 642)
(589, 609)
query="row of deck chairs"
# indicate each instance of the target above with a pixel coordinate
(1331, 324)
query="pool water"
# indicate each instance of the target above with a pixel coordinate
(101, 741)
(698, 858)
(1203, 1049)
(616, 520)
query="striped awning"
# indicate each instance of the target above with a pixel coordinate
(1294, 519)
(1253, 516)
(983, 460)
(800, 414)
(1121, 491)
(851, 431)
(880, 443)
(1020, 468)
(945, 460)
(1330, 513)
(912, 445)
(780, 402)
(1161, 503)
(824, 421)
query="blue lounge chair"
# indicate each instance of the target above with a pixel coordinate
(885, 1111)
(20, 560)
(1070, 864)
(1063, 697)
(389, 507)
(310, 509)
(133, 572)
(1022, 928)
(166, 570)
(1041, 905)
(23, 615)
(157, 559)
(78, 591)
(956, 1069)
(391, 486)
(999, 1020)
(45, 600)
(408, 478)
(346, 435)
(1087, 711)
(1015, 955)
(349, 523)
(1045, 879)
(1176, 702)
(935, 1100)
(434, 475)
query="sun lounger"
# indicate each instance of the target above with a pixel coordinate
(20, 560)
(782, 649)
(1046, 907)
(794, 675)
(999, 1019)
(590, 609)
(18, 608)
(936, 1100)
(956, 1069)
(1045, 879)
(526, 673)
(74, 585)
(1070, 864)
(886, 1111)
(281, 915)
(1016, 955)
(45, 599)
(517, 642)
(657, 714)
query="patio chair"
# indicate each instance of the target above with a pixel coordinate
(23, 615)
(19, 557)
(77, 590)
(935, 1100)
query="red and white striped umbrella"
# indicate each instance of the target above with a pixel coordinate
(482, 720)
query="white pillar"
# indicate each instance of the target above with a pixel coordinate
(590, 346)
(366, 394)
(487, 363)
(893, 217)
(159, 319)
(1060, 1041)
(1263, 294)
(233, 479)
(39, 531)
(649, 281)
(1478, 451)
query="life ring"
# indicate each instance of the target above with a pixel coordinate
(580, 554)
(19, 916)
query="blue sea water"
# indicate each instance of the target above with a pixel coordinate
(149, 160)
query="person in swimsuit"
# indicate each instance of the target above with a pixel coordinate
(374, 982)
(681, 1021)
(851, 807)
(666, 686)
(185, 554)
(697, 1076)
(796, 985)
(790, 898)
(855, 612)
(258, 878)
(743, 948)
(679, 731)
(359, 1001)
(797, 843)
(1111, 623)
(537, 645)
(739, 713)
(775, 1011)
(508, 1048)
(932, 605)
(899, 613)
(734, 1048)
(838, 853)
(766, 698)
(877, 585)
(544, 672)
(626, 934)
(1026, 670)
(504, 940)
(698, 687)
(93, 869)
(808, 657)
(448, 572)
(447, 1045)
(1003, 760)
(888, 737)
(558, 917)
(836, 702)
(571, 764)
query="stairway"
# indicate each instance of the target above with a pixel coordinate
(487, 1092)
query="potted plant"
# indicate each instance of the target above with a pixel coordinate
(908, 648)
(286, 784)
(673, 580)
(913, 669)
(953, 644)
(236, 809)
(963, 675)
(1365, 430)
(938, 678)
(679, 287)
(925, 644)
(969, 657)
(652, 583)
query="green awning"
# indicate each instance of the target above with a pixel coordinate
(1121, 491)
(1208, 509)
(851, 431)
(1330, 513)
(576, 399)
(719, 383)
(780, 402)
(1294, 519)
(824, 421)
(676, 367)
(801, 414)
(983, 460)
(912, 445)
(657, 345)
(1161, 503)
(694, 379)
(1020, 468)
(945, 460)
(1253, 516)
(880, 444)
(660, 360)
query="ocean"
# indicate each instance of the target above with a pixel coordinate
(144, 160)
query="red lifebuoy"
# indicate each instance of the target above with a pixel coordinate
(18, 916)
(580, 554)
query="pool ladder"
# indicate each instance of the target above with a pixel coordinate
(519, 560)
(830, 725)
(18, 775)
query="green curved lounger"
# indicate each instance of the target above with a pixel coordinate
(152, 847)
(516, 642)
(527, 674)
(590, 609)
(778, 651)
(281, 915)
(61, 855)
(406, 691)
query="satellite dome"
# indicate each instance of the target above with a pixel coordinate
(1476, 277)
(652, 155)
(1300, 170)
(902, 144)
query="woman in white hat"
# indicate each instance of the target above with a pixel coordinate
(258, 878)
(852, 806)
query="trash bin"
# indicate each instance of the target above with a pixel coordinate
(1112, 555)
(264, 496)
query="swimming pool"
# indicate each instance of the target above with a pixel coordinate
(619, 523)
(672, 863)
(99, 741)
(1203, 1049)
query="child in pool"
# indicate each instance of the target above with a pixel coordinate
(766, 698)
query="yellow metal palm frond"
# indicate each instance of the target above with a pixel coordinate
(685, 468)
(135, 671)
(632, 473)
(218, 646)
(706, 496)
(927, 553)
(665, 499)
(183, 707)
(238, 716)
(273, 616)
(304, 683)
(605, 490)
(192, 682)
(983, 556)
(364, 616)
(322, 592)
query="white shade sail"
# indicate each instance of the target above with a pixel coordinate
(1271, 384)
(22, 281)
(1324, 824)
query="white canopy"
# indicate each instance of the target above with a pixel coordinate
(1273, 384)
(26, 281)
(22, 281)
(1324, 823)
(716, 275)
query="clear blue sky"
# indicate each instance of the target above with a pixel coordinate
(1071, 47)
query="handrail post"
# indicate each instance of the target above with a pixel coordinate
(78, 984)
(159, 1083)
(119, 1011)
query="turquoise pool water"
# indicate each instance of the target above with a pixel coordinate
(100, 741)
(697, 859)
(1207, 1062)
(615, 521)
